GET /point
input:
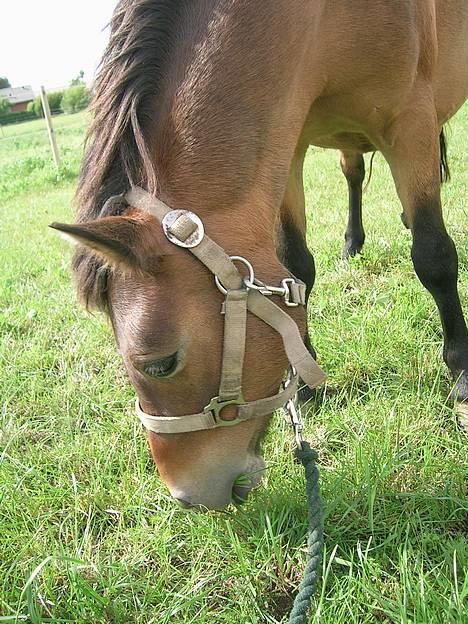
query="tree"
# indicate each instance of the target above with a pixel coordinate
(55, 101)
(4, 82)
(79, 80)
(4, 106)
(75, 99)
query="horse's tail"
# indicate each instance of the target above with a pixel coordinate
(370, 173)
(443, 166)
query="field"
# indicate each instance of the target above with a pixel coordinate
(88, 533)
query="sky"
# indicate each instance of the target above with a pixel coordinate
(49, 42)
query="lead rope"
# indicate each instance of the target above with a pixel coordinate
(307, 457)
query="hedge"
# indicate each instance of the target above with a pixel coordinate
(11, 118)
(55, 101)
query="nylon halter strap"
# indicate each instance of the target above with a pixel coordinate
(185, 229)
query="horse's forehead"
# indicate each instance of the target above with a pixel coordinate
(162, 312)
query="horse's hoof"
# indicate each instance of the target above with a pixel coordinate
(351, 249)
(462, 415)
(305, 394)
(459, 395)
(459, 392)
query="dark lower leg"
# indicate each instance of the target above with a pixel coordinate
(293, 250)
(435, 261)
(352, 165)
(296, 256)
(413, 154)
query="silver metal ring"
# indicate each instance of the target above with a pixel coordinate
(194, 239)
(248, 279)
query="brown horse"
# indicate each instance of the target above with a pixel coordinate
(210, 106)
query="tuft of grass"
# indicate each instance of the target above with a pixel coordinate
(88, 531)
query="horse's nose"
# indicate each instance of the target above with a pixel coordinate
(182, 503)
(239, 496)
(202, 504)
(197, 506)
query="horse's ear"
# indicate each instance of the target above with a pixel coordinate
(121, 241)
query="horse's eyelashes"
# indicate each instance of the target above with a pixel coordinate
(160, 368)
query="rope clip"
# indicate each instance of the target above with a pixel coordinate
(296, 423)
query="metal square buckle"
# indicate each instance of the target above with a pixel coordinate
(287, 293)
(216, 405)
(194, 238)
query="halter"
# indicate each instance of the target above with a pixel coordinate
(185, 229)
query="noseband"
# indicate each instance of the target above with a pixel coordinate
(185, 229)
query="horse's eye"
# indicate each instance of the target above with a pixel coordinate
(160, 368)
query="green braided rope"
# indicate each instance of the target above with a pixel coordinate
(307, 457)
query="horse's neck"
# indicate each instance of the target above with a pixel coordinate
(232, 113)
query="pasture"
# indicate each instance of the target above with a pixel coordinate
(88, 534)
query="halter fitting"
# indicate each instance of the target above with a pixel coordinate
(185, 229)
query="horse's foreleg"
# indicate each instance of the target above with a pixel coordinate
(293, 250)
(352, 166)
(413, 156)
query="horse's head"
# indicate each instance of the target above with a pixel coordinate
(181, 339)
(176, 110)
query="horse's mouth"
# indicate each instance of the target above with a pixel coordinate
(245, 482)
(248, 480)
(240, 494)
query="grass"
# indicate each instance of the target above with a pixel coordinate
(88, 533)
(25, 162)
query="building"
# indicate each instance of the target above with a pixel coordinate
(18, 97)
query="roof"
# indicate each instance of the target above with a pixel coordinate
(16, 95)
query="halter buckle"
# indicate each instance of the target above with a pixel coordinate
(217, 404)
(287, 292)
(183, 228)
(283, 291)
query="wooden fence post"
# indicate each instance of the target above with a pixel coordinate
(50, 129)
